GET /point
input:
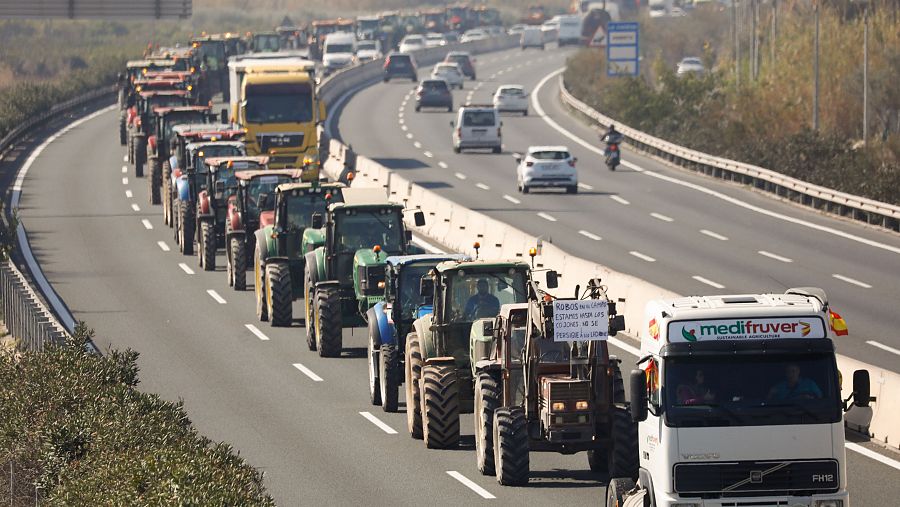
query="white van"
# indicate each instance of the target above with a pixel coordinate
(477, 127)
(532, 37)
(569, 30)
(339, 52)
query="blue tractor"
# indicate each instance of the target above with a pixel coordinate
(390, 320)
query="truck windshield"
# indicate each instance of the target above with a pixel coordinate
(478, 294)
(279, 103)
(267, 43)
(339, 48)
(368, 25)
(213, 54)
(365, 228)
(182, 117)
(744, 390)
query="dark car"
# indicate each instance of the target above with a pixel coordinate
(434, 93)
(400, 65)
(465, 62)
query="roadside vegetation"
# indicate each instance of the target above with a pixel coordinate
(74, 430)
(766, 121)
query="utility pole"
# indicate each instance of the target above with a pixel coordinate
(816, 71)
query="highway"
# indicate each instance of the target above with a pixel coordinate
(302, 419)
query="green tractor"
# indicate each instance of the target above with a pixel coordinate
(439, 381)
(281, 244)
(345, 263)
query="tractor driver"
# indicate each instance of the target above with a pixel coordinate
(482, 304)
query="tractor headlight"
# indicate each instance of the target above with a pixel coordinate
(558, 406)
(581, 405)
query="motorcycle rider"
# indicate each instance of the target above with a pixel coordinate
(612, 137)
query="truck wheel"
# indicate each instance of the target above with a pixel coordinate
(389, 377)
(624, 458)
(207, 246)
(238, 264)
(487, 400)
(616, 490)
(129, 147)
(328, 322)
(309, 310)
(187, 223)
(167, 193)
(371, 355)
(155, 180)
(413, 370)
(278, 293)
(140, 157)
(511, 460)
(440, 406)
(123, 129)
(259, 287)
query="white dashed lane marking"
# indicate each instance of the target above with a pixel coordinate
(641, 256)
(511, 199)
(460, 176)
(547, 217)
(619, 200)
(852, 281)
(715, 235)
(708, 282)
(775, 256)
(483, 493)
(215, 295)
(147, 224)
(163, 246)
(135, 207)
(662, 217)
(309, 373)
(184, 267)
(590, 235)
(128, 194)
(378, 422)
(482, 186)
(255, 330)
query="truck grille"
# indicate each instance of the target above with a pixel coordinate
(757, 477)
(275, 141)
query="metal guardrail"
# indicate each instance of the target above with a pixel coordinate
(821, 198)
(27, 319)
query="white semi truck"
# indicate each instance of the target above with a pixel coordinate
(738, 403)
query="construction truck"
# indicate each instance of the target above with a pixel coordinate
(738, 402)
(545, 382)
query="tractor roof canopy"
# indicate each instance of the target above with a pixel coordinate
(247, 176)
(240, 163)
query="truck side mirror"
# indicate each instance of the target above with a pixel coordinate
(638, 387)
(419, 218)
(426, 287)
(616, 324)
(552, 279)
(317, 220)
(862, 393)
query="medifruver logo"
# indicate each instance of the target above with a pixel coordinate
(749, 328)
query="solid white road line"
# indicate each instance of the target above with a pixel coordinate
(377, 422)
(460, 176)
(309, 373)
(590, 235)
(147, 224)
(417, 144)
(135, 207)
(873, 455)
(847, 279)
(184, 267)
(125, 181)
(641, 256)
(442, 165)
(428, 154)
(547, 217)
(512, 199)
(482, 186)
(775, 256)
(619, 200)
(215, 295)
(128, 194)
(713, 193)
(483, 493)
(255, 330)
(585, 186)
(712, 234)
(883, 347)
(708, 282)
(662, 217)
(124, 169)
(163, 246)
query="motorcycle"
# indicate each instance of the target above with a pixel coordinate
(612, 152)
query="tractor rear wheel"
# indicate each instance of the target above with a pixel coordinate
(598, 459)
(278, 293)
(155, 180)
(207, 246)
(624, 457)
(140, 157)
(372, 352)
(259, 287)
(309, 317)
(328, 322)
(186, 227)
(413, 371)
(511, 460)
(238, 263)
(389, 376)
(440, 406)
(487, 400)
(167, 193)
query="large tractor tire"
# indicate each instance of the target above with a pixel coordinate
(123, 129)
(167, 193)
(279, 293)
(259, 287)
(140, 156)
(186, 225)
(207, 250)
(309, 314)
(440, 406)
(389, 377)
(238, 263)
(599, 459)
(487, 400)
(616, 490)
(624, 456)
(155, 180)
(328, 322)
(511, 456)
(413, 369)
(372, 352)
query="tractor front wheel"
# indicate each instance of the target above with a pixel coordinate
(624, 456)
(487, 400)
(155, 180)
(259, 287)
(440, 406)
(328, 322)
(278, 293)
(511, 460)
(238, 263)
(413, 369)
(207, 246)
(309, 314)
(389, 377)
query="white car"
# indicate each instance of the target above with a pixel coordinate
(512, 98)
(449, 72)
(690, 65)
(477, 127)
(412, 43)
(433, 40)
(473, 35)
(367, 50)
(547, 167)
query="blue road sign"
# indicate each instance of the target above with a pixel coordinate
(622, 50)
